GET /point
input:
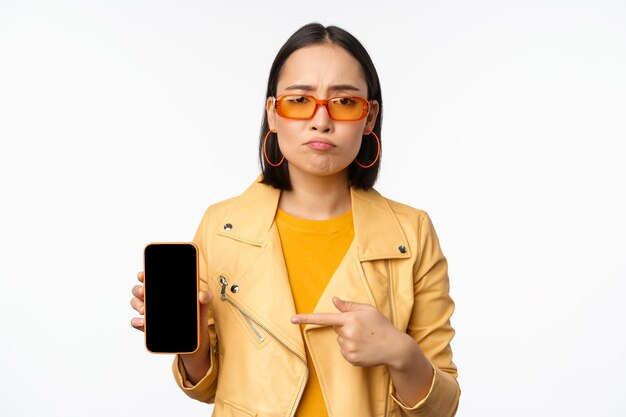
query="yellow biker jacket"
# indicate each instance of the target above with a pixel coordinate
(258, 362)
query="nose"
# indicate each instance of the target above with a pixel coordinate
(321, 119)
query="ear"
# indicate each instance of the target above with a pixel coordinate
(271, 113)
(371, 116)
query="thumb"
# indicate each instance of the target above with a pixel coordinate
(344, 306)
(205, 297)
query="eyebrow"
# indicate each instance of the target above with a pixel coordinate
(306, 87)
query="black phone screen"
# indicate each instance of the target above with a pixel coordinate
(171, 308)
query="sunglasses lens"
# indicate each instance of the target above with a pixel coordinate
(346, 108)
(339, 108)
(296, 107)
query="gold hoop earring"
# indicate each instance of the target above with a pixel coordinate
(267, 159)
(377, 153)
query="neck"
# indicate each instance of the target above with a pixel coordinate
(317, 197)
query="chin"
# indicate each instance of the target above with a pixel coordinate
(325, 171)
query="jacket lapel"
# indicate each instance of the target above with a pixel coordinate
(377, 235)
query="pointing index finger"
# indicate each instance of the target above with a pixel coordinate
(322, 319)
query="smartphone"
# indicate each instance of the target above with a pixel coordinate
(171, 305)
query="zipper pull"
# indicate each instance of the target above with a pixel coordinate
(224, 284)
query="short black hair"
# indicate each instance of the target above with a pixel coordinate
(317, 34)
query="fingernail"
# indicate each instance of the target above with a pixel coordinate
(295, 320)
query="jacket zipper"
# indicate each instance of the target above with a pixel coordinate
(249, 319)
(392, 316)
(258, 335)
(254, 330)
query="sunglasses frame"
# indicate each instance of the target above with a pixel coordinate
(278, 102)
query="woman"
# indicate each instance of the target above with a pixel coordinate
(320, 296)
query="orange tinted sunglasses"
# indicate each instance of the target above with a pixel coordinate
(299, 107)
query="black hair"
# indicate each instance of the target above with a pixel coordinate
(317, 34)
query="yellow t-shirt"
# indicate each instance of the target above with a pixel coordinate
(312, 250)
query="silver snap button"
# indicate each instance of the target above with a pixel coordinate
(234, 288)
(228, 227)
(402, 249)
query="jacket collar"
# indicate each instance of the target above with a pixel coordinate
(377, 232)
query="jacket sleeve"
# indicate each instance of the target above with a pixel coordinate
(429, 325)
(204, 390)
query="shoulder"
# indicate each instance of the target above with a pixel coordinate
(407, 215)
(223, 206)
(250, 211)
(415, 222)
(218, 211)
(402, 209)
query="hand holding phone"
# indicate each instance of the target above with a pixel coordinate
(176, 312)
(172, 309)
(205, 298)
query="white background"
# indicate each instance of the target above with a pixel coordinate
(121, 121)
